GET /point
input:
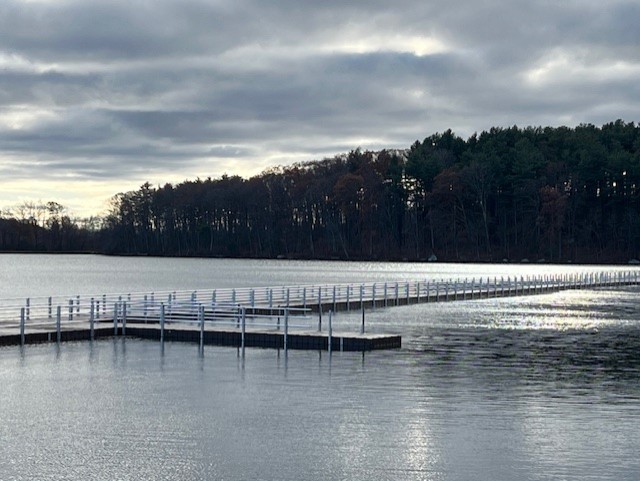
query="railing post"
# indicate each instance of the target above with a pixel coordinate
(144, 308)
(201, 321)
(334, 298)
(50, 307)
(28, 308)
(92, 318)
(71, 309)
(243, 328)
(397, 293)
(124, 318)
(286, 330)
(58, 323)
(115, 319)
(252, 297)
(385, 294)
(362, 324)
(77, 304)
(373, 295)
(348, 297)
(329, 347)
(304, 298)
(408, 292)
(418, 290)
(162, 323)
(22, 322)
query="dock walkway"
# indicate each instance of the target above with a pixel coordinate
(277, 317)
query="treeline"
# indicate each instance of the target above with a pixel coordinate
(558, 194)
(46, 227)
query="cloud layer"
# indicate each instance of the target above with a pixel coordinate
(114, 93)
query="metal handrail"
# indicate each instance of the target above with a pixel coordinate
(327, 295)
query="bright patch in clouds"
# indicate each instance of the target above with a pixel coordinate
(24, 117)
(417, 45)
(564, 67)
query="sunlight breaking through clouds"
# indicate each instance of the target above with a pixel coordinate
(562, 67)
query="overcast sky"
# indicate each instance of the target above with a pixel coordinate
(97, 97)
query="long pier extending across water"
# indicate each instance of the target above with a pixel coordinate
(296, 317)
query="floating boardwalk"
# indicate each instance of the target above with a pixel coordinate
(210, 335)
(289, 317)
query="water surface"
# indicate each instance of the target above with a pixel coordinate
(536, 388)
(35, 275)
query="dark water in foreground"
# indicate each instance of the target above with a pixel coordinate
(536, 388)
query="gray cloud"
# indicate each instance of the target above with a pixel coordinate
(119, 89)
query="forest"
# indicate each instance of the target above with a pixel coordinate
(512, 194)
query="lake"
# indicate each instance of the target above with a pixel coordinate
(34, 275)
(534, 388)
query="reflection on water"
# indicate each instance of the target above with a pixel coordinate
(532, 388)
(34, 275)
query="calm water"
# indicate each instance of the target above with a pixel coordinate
(534, 388)
(34, 275)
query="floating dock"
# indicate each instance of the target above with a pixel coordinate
(311, 340)
(269, 317)
(204, 330)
